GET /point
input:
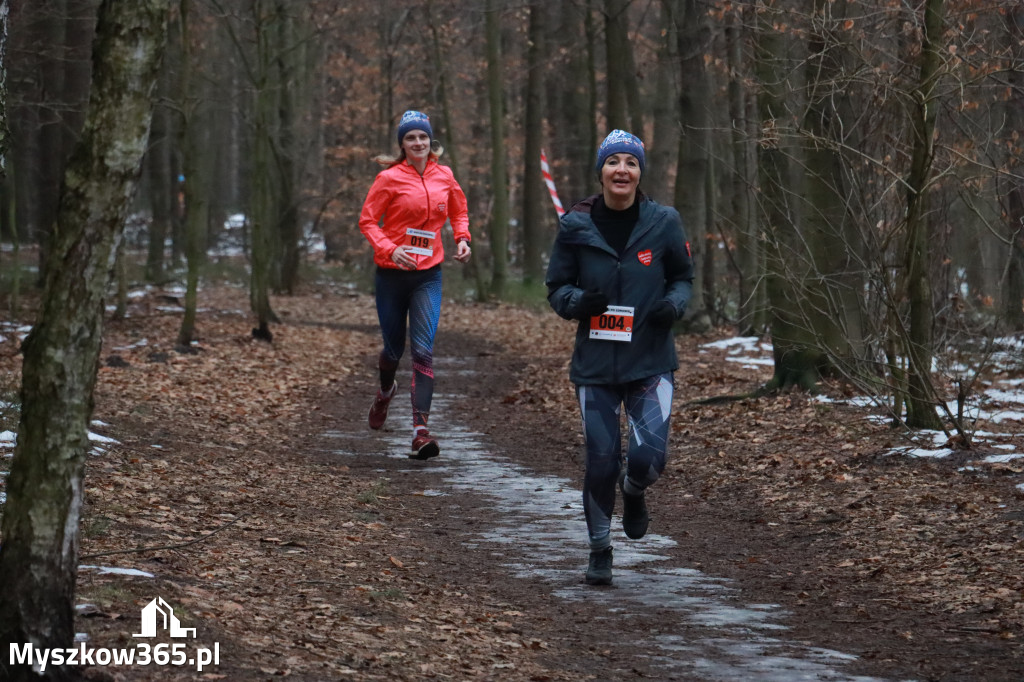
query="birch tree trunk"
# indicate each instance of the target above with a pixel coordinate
(38, 559)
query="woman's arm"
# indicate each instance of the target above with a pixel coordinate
(678, 266)
(562, 281)
(374, 207)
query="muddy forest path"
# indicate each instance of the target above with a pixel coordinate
(335, 556)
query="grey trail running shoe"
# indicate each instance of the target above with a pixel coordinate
(599, 571)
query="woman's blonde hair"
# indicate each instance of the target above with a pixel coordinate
(389, 160)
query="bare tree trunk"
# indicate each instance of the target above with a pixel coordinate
(499, 174)
(38, 559)
(263, 194)
(921, 399)
(693, 169)
(572, 110)
(391, 33)
(749, 259)
(796, 355)
(5, 132)
(196, 204)
(616, 36)
(537, 224)
(660, 157)
(290, 79)
(830, 299)
(5, 149)
(1013, 301)
(161, 192)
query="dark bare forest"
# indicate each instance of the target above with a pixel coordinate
(182, 270)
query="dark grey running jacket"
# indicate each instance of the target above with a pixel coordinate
(655, 265)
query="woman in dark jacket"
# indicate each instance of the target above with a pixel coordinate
(621, 266)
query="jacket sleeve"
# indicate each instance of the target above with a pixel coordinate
(678, 265)
(458, 212)
(376, 204)
(562, 281)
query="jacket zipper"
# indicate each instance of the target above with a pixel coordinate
(618, 298)
(426, 193)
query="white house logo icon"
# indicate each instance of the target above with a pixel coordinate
(149, 620)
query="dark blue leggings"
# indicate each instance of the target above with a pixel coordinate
(414, 296)
(648, 409)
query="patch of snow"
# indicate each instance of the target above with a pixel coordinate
(97, 438)
(997, 459)
(109, 570)
(745, 343)
(922, 452)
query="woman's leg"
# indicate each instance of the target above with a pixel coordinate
(392, 296)
(649, 409)
(424, 313)
(600, 409)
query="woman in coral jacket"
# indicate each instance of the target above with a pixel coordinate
(405, 209)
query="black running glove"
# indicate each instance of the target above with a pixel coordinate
(592, 302)
(662, 315)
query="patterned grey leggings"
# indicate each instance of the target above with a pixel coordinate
(414, 297)
(648, 409)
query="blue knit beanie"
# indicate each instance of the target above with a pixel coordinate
(414, 120)
(619, 142)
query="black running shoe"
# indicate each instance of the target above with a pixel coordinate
(599, 571)
(635, 518)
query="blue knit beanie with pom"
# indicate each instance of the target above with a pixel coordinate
(620, 142)
(414, 120)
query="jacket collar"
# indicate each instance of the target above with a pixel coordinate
(582, 231)
(409, 168)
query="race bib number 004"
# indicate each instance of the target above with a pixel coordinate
(421, 242)
(614, 324)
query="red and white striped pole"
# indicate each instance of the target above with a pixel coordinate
(549, 181)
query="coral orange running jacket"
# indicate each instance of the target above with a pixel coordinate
(404, 208)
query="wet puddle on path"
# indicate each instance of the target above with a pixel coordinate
(718, 638)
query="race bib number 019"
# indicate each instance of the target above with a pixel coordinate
(614, 324)
(421, 242)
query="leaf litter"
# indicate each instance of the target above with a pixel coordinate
(914, 563)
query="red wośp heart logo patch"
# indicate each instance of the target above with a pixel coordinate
(645, 257)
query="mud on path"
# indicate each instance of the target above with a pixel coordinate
(333, 558)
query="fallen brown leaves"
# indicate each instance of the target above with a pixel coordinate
(311, 580)
(314, 579)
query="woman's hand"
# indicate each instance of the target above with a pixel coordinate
(463, 252)
(402, 259)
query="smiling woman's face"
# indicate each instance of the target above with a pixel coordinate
(620, 176)
(416, 144)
